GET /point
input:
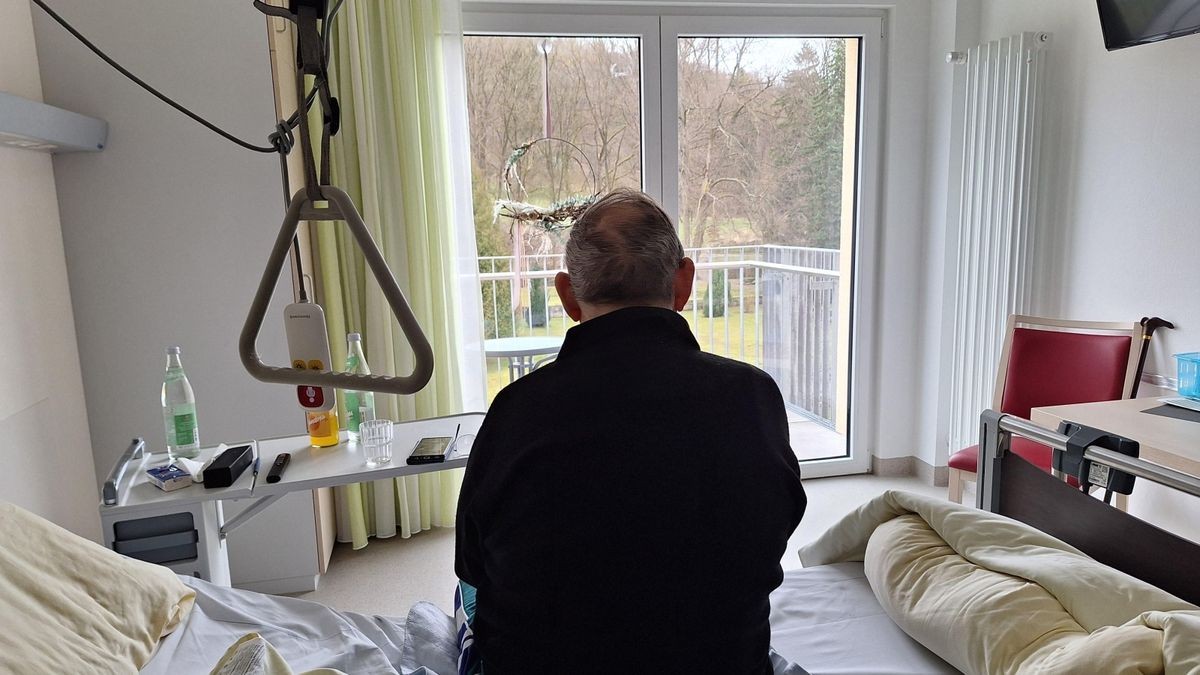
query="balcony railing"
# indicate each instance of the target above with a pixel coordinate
(775, 307)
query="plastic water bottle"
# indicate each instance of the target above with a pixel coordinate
(179, 409)
(360, 405)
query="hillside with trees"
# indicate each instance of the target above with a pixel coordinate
(760, 141)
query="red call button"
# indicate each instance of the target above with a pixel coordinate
(310, 397)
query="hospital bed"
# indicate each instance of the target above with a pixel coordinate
(826, 618)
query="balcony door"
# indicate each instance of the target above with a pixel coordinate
(758, 135)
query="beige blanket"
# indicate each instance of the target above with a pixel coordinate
(68, 605)
(991, 595)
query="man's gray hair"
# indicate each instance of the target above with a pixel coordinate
(623, 250)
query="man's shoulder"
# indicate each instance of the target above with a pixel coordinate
(733, 369)
(524, 391)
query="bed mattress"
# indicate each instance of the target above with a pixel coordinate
(825, 619)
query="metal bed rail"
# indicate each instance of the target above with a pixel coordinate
(997, 430)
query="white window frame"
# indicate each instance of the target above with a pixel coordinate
(869, 30)
(607, 25)
(658, 28)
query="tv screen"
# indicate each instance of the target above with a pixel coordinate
(1134, 22)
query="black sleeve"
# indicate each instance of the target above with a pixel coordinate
(468, 548)
(775, 424)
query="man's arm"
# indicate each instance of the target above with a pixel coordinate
(468, 553)
(775, 426)
(468, 535)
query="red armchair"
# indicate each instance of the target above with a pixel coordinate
(1054, 362)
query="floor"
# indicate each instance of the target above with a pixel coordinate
(389, 575)
(813, 440)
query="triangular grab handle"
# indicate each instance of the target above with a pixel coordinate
(340, 208)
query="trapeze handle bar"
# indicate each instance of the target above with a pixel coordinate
(340, 207)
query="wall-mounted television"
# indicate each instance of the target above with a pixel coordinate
(1135, 22)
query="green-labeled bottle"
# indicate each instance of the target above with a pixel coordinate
(179, 410)
(360, 405)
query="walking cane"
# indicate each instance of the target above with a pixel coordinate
(1149, 325)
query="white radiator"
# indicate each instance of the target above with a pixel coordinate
(997, 216)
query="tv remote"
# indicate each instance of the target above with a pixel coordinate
(277, 468)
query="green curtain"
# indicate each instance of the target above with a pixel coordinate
(392, 156)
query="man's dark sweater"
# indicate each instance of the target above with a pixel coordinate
(625, 508)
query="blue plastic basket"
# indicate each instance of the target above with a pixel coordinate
(1189, 374)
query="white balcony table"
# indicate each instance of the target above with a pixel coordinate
(522, 352)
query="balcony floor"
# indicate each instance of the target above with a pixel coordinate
(811, 440)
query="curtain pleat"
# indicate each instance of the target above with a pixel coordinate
(392, 156)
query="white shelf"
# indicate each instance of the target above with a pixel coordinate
(142, 495)
(310, 468)
(33, 125)
(345, 463)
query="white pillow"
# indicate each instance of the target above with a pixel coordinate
(69, 605)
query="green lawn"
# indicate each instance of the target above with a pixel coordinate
(710, 333)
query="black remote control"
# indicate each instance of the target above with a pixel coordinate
(277, 468)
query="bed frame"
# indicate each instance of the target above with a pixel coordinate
(1012, 487)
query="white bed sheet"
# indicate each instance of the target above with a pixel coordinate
(826, 620)
(307, 634)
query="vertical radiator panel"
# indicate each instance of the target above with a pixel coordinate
(997, 217)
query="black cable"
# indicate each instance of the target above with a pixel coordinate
(281, 139)
(326, 28)
(161, 96)
(292, 121)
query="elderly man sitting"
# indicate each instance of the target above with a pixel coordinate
(626, 507)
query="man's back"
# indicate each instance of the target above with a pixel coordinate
(626, 507)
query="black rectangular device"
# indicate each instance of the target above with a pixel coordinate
(430, 450)
(1126, 23)
(228, 465)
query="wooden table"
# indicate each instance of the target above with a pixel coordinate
(1170, 442)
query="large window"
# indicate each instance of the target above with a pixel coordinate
(748, 131)
(577, 101)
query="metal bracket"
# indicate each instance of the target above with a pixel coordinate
(112, 486)
(993, 445)
(341, 207)
(254, 509)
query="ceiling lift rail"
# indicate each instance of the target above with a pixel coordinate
(310, 60)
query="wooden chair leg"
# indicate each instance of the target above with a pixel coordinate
(955, 484)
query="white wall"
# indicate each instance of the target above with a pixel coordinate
(167, 230)
(901, 231)
(45, 452)
(1124, 199)
(1119, 205)
(954, 26)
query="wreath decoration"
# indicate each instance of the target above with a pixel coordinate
(557, 216)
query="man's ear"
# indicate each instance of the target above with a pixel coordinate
(684, 276)
(562, 284)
